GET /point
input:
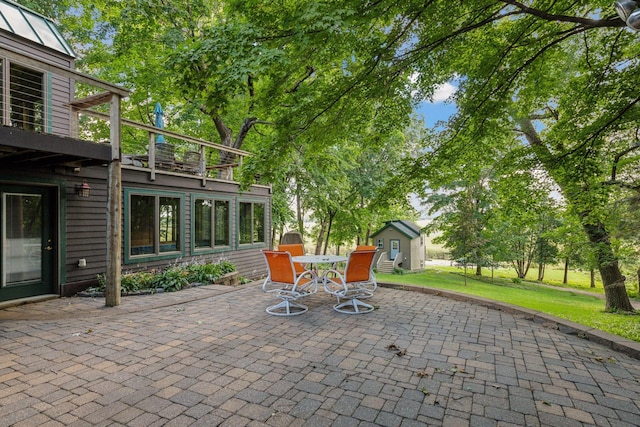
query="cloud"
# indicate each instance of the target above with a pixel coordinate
(443, 92)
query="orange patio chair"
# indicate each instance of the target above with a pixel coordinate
(366, 248)
(287, 284)
(372, 284)
(295, 249)
(356, 283)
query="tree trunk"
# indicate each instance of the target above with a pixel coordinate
(326, 243)
(478, 269)
(638, 288)
(521, 269)
(566, 271)
(593, 277)
(320, 240)
(615, 292)
(367, 235)
(299, 213)
(540, 272)
(465, 272)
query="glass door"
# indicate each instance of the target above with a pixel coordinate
(28, 241)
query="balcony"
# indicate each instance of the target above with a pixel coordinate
(46, 123)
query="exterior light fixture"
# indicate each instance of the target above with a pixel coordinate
(83, 190)
(629, 12)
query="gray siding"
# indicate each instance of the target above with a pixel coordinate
(60, 112)
(91, 219)
(83, 221)
(86, 222)
(59, 89)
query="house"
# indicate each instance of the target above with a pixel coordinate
(72, 208)
(400, 244)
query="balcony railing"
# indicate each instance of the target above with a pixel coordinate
(33, 94)
(181, 154)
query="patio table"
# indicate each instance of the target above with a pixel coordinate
(319, 259)
(315, 260)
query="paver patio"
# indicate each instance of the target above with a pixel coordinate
(212, 356)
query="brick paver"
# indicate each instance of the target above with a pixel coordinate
(212, 356)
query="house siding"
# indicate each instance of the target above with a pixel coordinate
(417, 254)
(84, 220)
(60, 112)
(58, 88)
(249, 261)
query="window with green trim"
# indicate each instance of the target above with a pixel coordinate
(154, 224)
(211, 223)
(251, 222)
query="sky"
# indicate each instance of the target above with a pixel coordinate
(437, 109)
(433, 111)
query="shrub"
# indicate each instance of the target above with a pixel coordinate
(208, 273)
(134, 282)
(173, 278)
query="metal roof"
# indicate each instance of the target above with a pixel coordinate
(32, 26)
(407, 228)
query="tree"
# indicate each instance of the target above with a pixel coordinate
(462, 213)
(574, 247)
(559, 75)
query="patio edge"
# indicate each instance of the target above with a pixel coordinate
(623, 345)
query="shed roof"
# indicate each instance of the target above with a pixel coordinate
(26, 23)
(408, 228)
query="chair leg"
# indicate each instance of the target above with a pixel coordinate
(366, 293)
(353, 306)
(287, 308)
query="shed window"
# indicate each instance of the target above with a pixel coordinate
(380, 243)
(251, 222)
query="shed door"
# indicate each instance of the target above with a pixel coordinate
(394, 248)
(28, 241)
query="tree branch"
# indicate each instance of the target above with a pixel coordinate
(583, 22)
(310, 70)
(621, 154)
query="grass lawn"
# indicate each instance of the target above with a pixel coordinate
(578, 307)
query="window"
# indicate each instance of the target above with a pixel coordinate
(211, 223)
(26, 98)
(251, 222)
(380, 243)
(154, 224)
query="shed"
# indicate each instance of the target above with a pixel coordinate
(401, 244)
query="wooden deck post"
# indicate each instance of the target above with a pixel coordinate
(114, 209)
